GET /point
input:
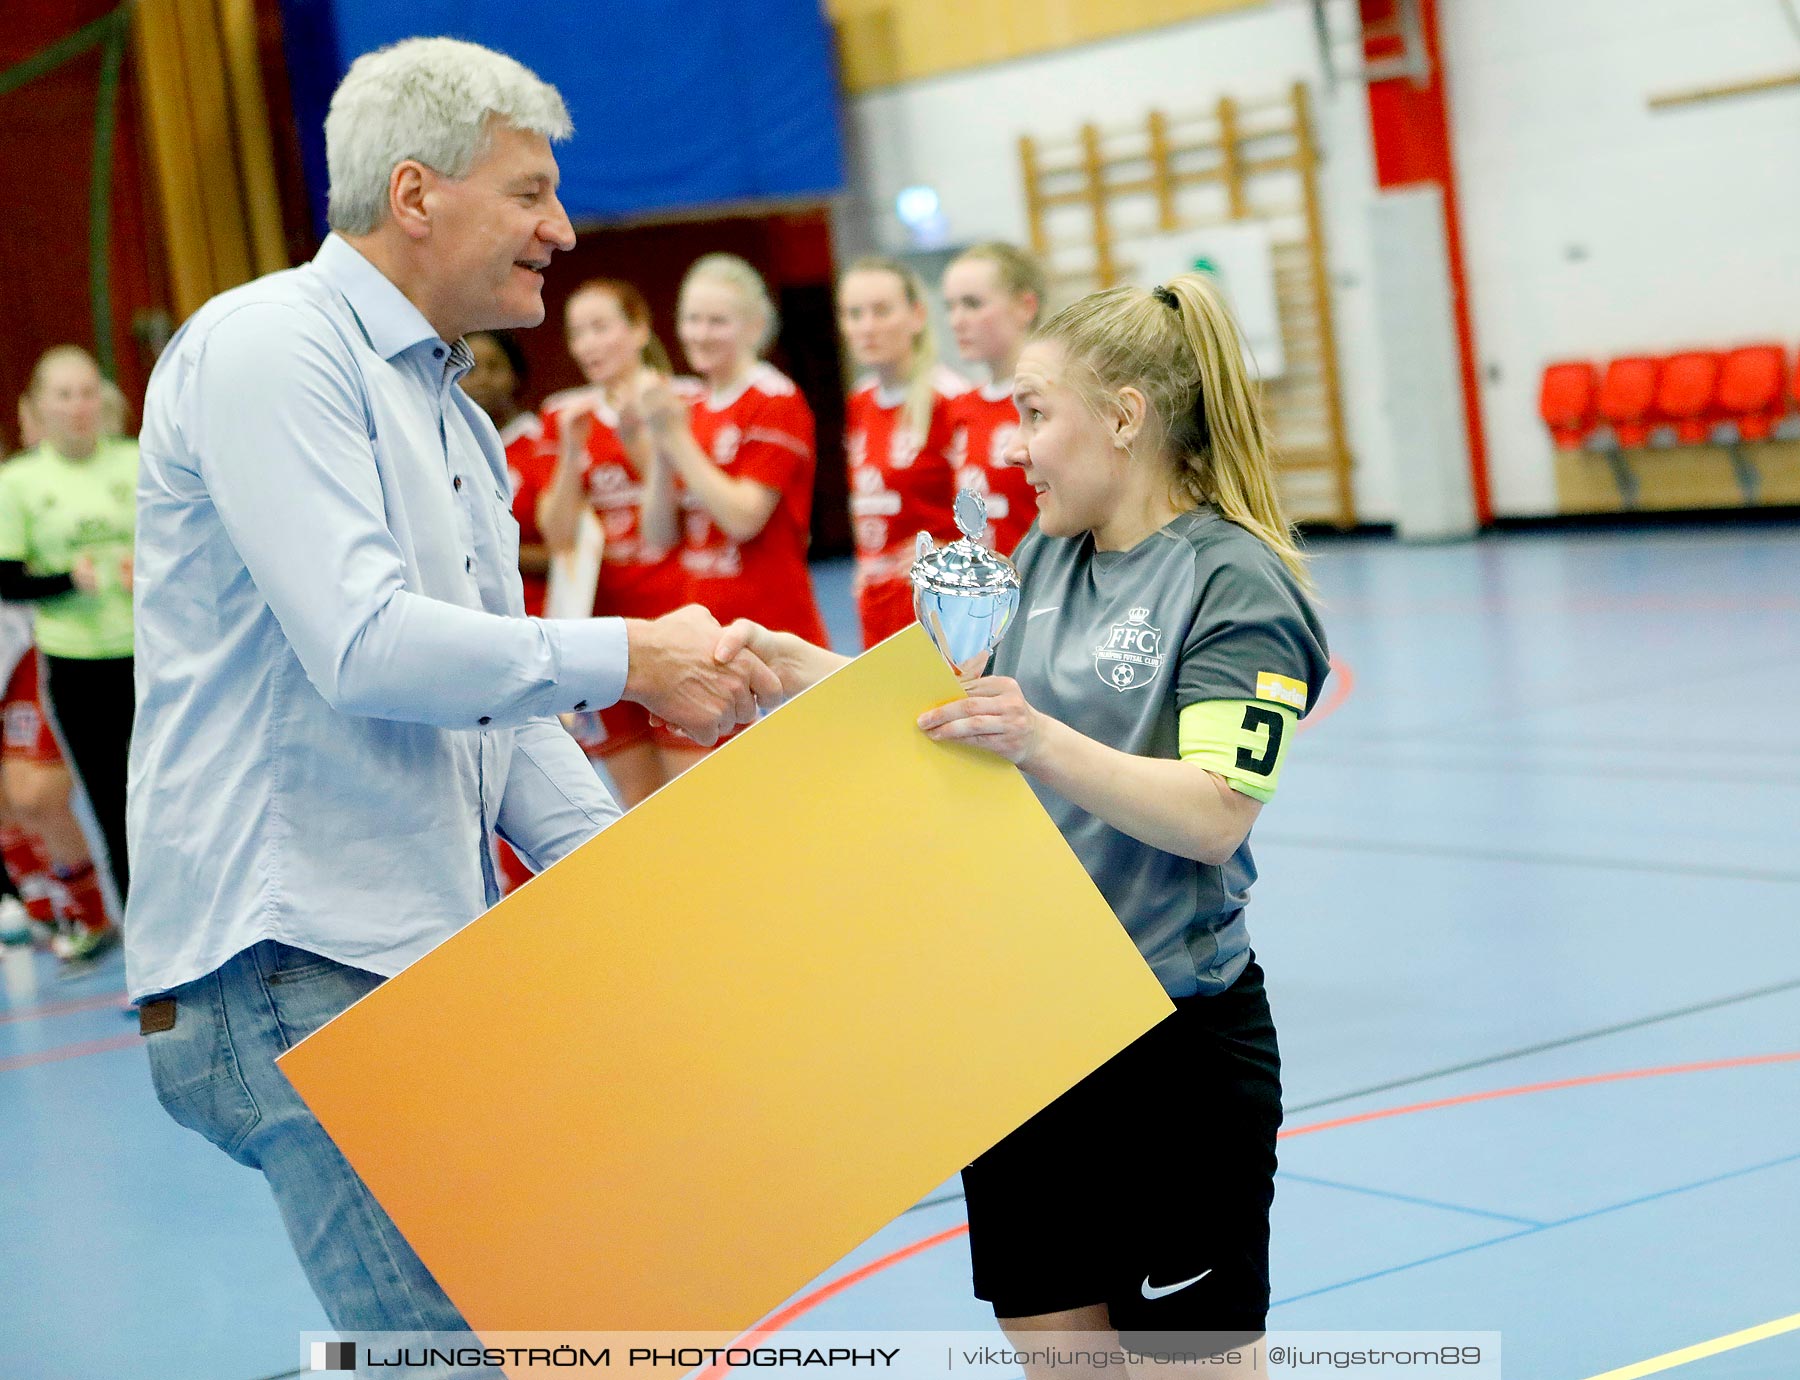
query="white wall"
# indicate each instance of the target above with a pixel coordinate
(959, 133)
(1593, 226)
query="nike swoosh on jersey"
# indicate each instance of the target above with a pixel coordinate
(1035, 612)
(1151, 1291)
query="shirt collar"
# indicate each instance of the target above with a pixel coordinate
(388, 318)
(718, 402)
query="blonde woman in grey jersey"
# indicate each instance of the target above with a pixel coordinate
(1148, 688)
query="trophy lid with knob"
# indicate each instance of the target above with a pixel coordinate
(964, 567)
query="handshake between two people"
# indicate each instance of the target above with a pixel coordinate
(707, 680)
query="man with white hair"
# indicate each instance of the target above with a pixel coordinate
(341, 702)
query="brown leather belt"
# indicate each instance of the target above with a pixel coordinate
(156, 1016)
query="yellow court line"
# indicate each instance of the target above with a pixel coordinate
(1701, 1350)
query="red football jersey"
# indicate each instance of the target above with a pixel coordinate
(529, 467)
(636, 581)
(761, 430)
(986, 422)
(900, 485)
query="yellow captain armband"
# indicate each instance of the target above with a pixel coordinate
(1243, 741)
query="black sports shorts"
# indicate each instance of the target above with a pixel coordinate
(1146, 1186)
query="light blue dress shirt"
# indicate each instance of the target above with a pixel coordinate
(340, 698)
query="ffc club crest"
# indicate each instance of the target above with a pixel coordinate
(1132, 653)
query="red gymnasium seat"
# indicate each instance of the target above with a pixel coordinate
(1750, 389)
(1566, 401)
(1687, 394)
(1626, 394)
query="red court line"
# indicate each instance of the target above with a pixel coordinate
(1589, 1081)
(1343, 681)
(764, 1330)
(52, 1056)
(805, 1305)
(45, 1010)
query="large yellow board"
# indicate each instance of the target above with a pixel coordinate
(682, 1072)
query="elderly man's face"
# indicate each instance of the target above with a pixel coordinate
(493, 232)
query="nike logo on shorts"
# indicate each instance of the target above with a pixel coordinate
(1036, 612)
(1151, 1291)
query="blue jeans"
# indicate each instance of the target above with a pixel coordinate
(215, 1074)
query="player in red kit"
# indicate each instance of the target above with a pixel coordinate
(606, 464)
(739, 440)
(898, 431)
(993, 293)
(41, 843)
(743, 454)
(494, 383)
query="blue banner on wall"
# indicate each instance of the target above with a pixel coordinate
(676, 103)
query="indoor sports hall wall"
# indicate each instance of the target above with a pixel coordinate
(1594, 226)
(959, 133)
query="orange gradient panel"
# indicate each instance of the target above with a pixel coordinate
(668, 1082)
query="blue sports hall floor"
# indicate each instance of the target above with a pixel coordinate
(1530, 911)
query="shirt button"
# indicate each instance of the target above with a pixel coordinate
(469, 564)
(438, 353)
(485, 720)
(457, 483)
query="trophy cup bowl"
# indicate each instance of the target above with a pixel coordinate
(963, 594)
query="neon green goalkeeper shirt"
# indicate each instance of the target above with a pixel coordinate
(54, 510)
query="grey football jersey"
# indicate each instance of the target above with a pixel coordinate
(1115, 644)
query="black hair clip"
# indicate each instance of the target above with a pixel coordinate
(1167, 298)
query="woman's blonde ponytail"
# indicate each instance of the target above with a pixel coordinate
(1181, 348)
(1235, 472)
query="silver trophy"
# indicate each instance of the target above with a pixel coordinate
(964, 594)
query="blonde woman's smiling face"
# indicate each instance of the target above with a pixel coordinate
(1067, 453)
(718, 333)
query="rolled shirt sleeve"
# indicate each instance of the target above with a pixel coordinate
(553, 803)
